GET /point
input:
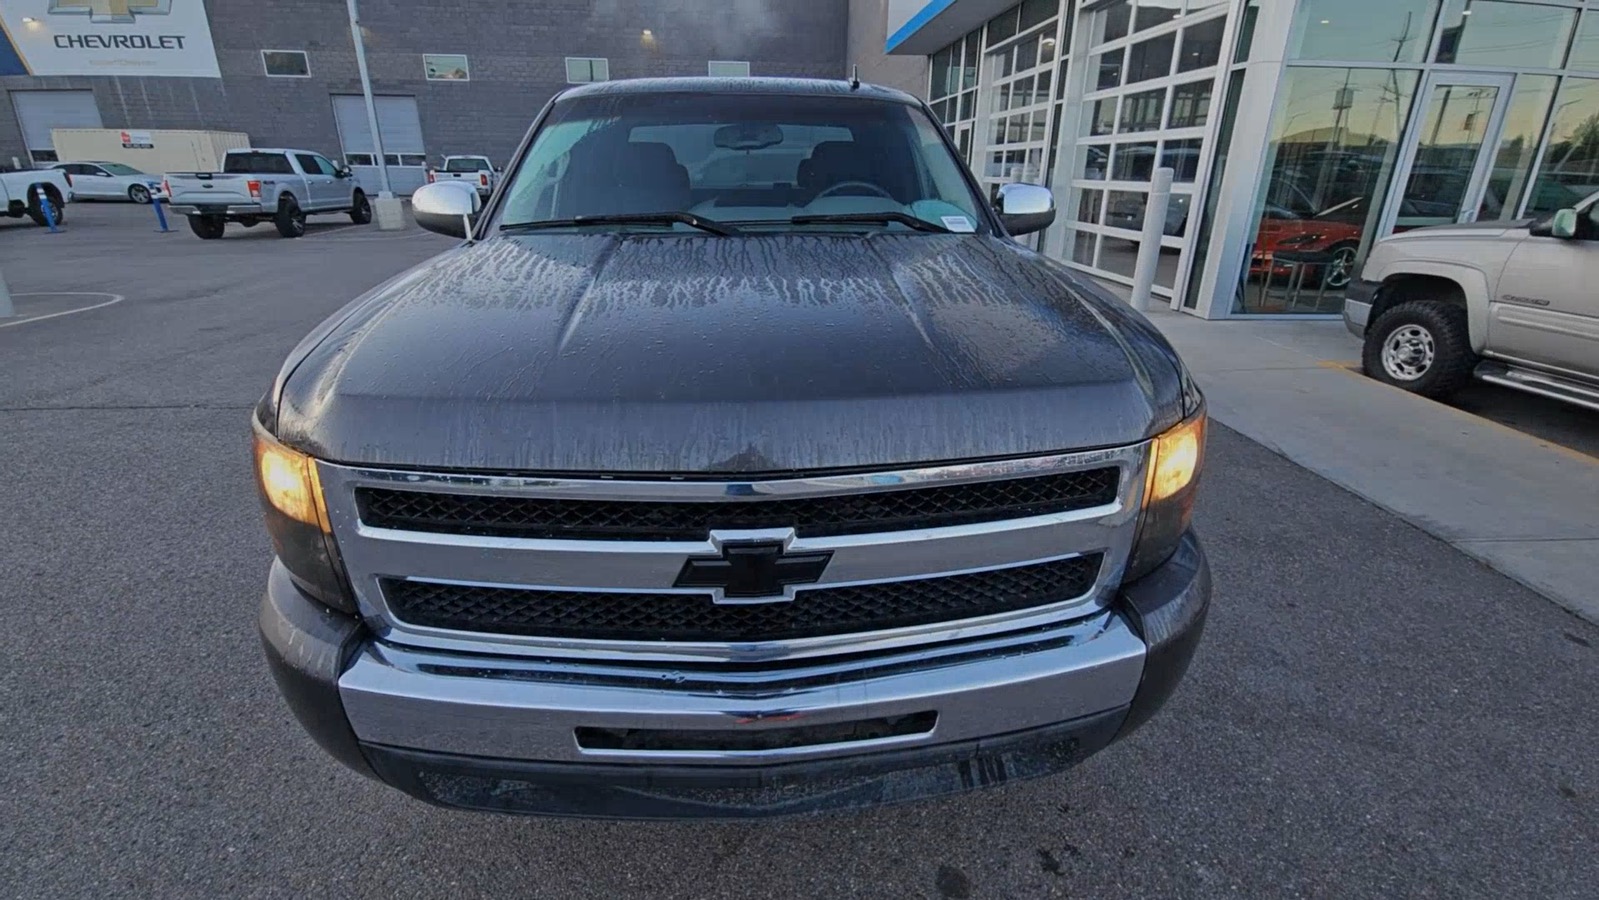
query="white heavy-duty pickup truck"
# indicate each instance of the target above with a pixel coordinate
(259, 185)
(1510, 303)
(476, 171)
(26, 193)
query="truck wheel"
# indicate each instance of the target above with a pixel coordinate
(138, 193)
(36, 201)
(290, 218)
(208, 227)
(361, 212)
(1423, 346)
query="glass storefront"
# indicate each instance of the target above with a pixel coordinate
(1356, 119)
(1151, 77)
(1357, 151)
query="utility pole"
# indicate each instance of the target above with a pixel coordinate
(387, 207)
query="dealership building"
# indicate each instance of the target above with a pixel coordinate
(1298, 131)
(463, 77)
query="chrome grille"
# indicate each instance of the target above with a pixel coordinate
(480, 563)
(893, 510)
(690, 617)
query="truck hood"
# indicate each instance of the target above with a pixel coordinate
(1481, 230)
(702, 354)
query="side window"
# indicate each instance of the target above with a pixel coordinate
(307, 163)
(325, 165)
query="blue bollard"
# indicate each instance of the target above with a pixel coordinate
(49, 210)
(160, 217)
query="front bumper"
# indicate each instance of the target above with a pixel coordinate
(721, 741)
(1359, 298)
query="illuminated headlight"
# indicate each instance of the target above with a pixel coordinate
(1172, 482)
(297, 520)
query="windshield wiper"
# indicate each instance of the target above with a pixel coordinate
(871, 218)
(660, 218)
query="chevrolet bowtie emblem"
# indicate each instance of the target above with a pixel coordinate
(759, 569)
(110, 12)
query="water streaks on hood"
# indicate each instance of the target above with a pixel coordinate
(600, 353)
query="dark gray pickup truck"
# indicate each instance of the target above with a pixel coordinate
(738, 463)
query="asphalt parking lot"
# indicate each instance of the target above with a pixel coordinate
(1371, 714)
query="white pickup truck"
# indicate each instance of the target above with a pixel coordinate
(258, 185)
(25, 193)
(1510, 303)
(477, 171)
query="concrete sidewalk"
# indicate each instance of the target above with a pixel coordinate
(1524, 506)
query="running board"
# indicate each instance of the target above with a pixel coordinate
(1542, 384)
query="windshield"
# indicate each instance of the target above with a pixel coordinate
(120, 169)
(466, 164)
(751, 160)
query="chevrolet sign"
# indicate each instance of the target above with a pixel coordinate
(107, 37)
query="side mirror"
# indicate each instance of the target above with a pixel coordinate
(1025, 208)
(1564, 224)
(446, 207)
(342, 172)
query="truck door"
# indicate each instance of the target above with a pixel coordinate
(1546, 309)
(339, 195)
(321, 186)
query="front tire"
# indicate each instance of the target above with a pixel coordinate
(138, 193)
(290, 218)
(207, 228)
(1423, 346)
(361, 211)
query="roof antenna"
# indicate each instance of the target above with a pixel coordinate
(855, 77)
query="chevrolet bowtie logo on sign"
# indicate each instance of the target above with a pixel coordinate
(110, 12)
(107, 37)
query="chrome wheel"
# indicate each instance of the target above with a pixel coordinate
(1408, 353)
(1342, 267)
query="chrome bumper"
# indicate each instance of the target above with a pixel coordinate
(515, 709)
(502, 732)
(236, 209)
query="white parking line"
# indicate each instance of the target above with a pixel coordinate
(115, 298)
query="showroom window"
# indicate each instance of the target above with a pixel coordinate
(1020, 74)
(584, 69)
(1150, 83)
(952, 88)
(285, 64)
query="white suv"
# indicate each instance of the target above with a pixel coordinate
(1510, 303)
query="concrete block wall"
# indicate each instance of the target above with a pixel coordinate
(516, 51)
(868, 31)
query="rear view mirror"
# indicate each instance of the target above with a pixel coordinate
(1564, 224)
(748, 136)
(446, 207)
(1025, 208)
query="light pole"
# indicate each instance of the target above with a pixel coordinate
(387, 208)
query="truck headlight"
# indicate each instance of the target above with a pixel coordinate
(297, 520)
(1172, 482)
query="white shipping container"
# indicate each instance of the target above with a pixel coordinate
(152, 151)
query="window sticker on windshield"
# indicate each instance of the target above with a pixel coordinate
(959, 224)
